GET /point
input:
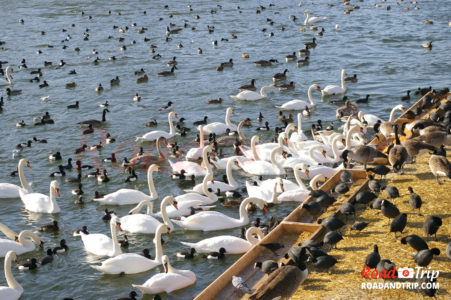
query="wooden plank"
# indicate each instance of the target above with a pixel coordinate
(298, 227)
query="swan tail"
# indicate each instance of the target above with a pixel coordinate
(191, 245)
(139, 139)
(234, 97)
(207, 207)
(98, 268)
(279, 106)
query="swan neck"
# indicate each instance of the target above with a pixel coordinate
(26, 233)
(273, 156)
(263, 91)
(254, 148)
(8, 232)
(275, 199)
(335, 147)
(8, 76)
(23, 180)
(164, 214)
(298, 178)
(12, 282)
(52, 194)
(240, 132)
(157, 243)
(343, 84)
(201, 138)
(244, 218)
(171, 125)
(152, 190)
(392, 114)
(205, 159)
(116, 247)
(229, 172)
(250, 235)
(310, 95)
(227, 117)
(207, 193)
(160, 153)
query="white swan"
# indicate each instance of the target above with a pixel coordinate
(40, 203)
(232, 244)
(195, 153)
(213, 220)
(386, 128)
(155, 134)
(132, 263)
(131, 196)
(20, 243)
(251, 95)
(311, 20)
(145, 223)
(172, 279)
(184, 208)
(9, 190)
(262, 151)
(266, 193)
(100, 244)
(368, 118)
(218, 127)
(260, 167)
(215, 185)
(192, 168)
(301, 104)
(307, 156)
(8, 77)
(295, 195)
(299, 135)
(335, 89)
(316, 180)
(209, 197)
(14, 289)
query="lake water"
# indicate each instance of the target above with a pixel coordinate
(382, 47)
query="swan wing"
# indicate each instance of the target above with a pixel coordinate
(39, 203)
(128, 263)
(7, 245)
(333, 89)
(9, 190)
(248, 96)
(208, 220)
(98, 244)
(232, 244)
(259, 191)
(123, 197)
(165, 282)
(139, 223)
(298, 195)
(294, 105)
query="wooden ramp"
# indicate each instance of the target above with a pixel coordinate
(294, 229)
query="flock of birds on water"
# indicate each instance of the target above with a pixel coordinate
(314, 159)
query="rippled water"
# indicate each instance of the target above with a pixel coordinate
(382, 47)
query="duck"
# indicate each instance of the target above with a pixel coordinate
(137, 97)
(439, 165)
(59, 173)
(397, 154)
(73, 106)
(167, 73)
(29, 265)
(103, 177)
(21, 124)
(228, 63)
(216, 254)
(111, 159)
(265, 63)
(285, 87)
(61, 248)
(249, 87)
(352, 78)
(406, 97)
(212, 220)
(81, 149)
(104, 104)
(232, 244)
(94, 122)
(172, 279)
(264, 128)
(78, 191)
(47, 259)
(311, 44)
(431, 225)
(186, 255)
(40, 203)
(280, 76)
(53, 227)
(131, 196)
(132, 177)
(133, 263)
(214, 101)
(291, 57)
(115, 81)
(168, 106)
(99, 88)
(427, 45)
(109, 139)
(303, 62)
(142, 79)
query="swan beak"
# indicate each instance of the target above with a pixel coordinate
(119, 226)
(16, 239)
(165, 267)
(343, 141)
(177, 116)
(324, 153)
(403, 109)
(169, 231)
(237, 164)
(213, 181)
(41, 244)
(28, 165)
(58, 192)
(175, 205)
(307, 174)
(284, 155)
(285, 140)
(296, 129)
(282, 188)
(265, 209)
(318, 88)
